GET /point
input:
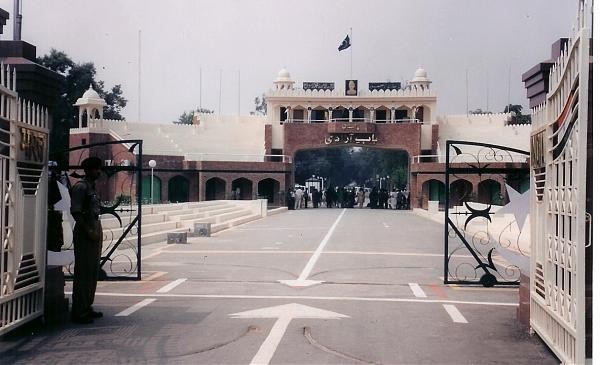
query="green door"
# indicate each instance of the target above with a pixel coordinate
(179, 189)
(146, 185)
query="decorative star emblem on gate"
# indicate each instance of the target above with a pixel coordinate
(518, 206)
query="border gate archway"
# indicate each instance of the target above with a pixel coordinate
(308, 136)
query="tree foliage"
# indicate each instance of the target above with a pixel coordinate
(187, 117)
(519, 117)
(479, 111)
(79, 77)
(260, 106)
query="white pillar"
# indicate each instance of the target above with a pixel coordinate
(329, 114)
(289, 114)
(372, 114)
(393, 116)
(309, 114)
(350, 114)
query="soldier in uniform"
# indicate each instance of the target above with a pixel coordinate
(87, 240)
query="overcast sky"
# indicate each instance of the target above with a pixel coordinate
(391, 39)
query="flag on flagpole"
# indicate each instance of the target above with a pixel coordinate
(345, 44)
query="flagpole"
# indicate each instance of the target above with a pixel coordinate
(467, 87)
(351, 41)
(220, 88)
(139, 111)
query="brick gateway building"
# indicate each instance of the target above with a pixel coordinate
(242, 157)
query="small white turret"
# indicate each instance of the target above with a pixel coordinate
(283, 80)
(91, 103)
(420, 79)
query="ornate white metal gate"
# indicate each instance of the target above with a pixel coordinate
(23, 189)
(558, 207)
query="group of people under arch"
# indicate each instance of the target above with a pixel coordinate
(347, 197)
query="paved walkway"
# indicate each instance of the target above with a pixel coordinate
(315, 286)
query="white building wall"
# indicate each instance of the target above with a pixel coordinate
(484, 128)
(426, 136)
(214, 138)
(277, 135)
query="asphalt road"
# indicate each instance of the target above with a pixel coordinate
(315, 286)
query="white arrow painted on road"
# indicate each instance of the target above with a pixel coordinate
(301, 281)
(284, 315)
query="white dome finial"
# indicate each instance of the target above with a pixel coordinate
(284, 80)
(420, 77)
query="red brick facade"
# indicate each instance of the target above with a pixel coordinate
(304, 136)
(278, 175)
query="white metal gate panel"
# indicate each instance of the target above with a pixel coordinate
(23, 205)
(558, 170)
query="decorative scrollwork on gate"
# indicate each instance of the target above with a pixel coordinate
(121, 206)
(478, 177)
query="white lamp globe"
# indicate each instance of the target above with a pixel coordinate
(152, 164)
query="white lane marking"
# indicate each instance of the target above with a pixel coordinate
(167, 288)
(301, 281)
(284, 315)
(417, 291)
(155, 275)
(266, 228)
(269, 248)
(155, 253)
(299, 297)
(456, 316)
(385, 225)
(134, 308)
(204, 252)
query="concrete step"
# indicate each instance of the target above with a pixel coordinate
(157, 208)
(112, 222)
(115, 233)
(277, 211)
(192, 216)
(223, 210)
(187, 214)
(160, 236)
(234, 222)
(161, 219)
(232, 215)
(216, 205)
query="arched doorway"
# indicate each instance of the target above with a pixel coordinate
(179, 189)
(268, 189)
(489, 192)
(215, 189)
(460, 192)
(434, 190)
(147, 195)
(241, 189)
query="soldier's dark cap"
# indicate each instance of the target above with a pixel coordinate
(91, 163)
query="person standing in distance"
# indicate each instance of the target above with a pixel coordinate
(87, 240)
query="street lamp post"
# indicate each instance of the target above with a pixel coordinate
(152, 165)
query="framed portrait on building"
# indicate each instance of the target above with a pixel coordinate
(351, 87)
